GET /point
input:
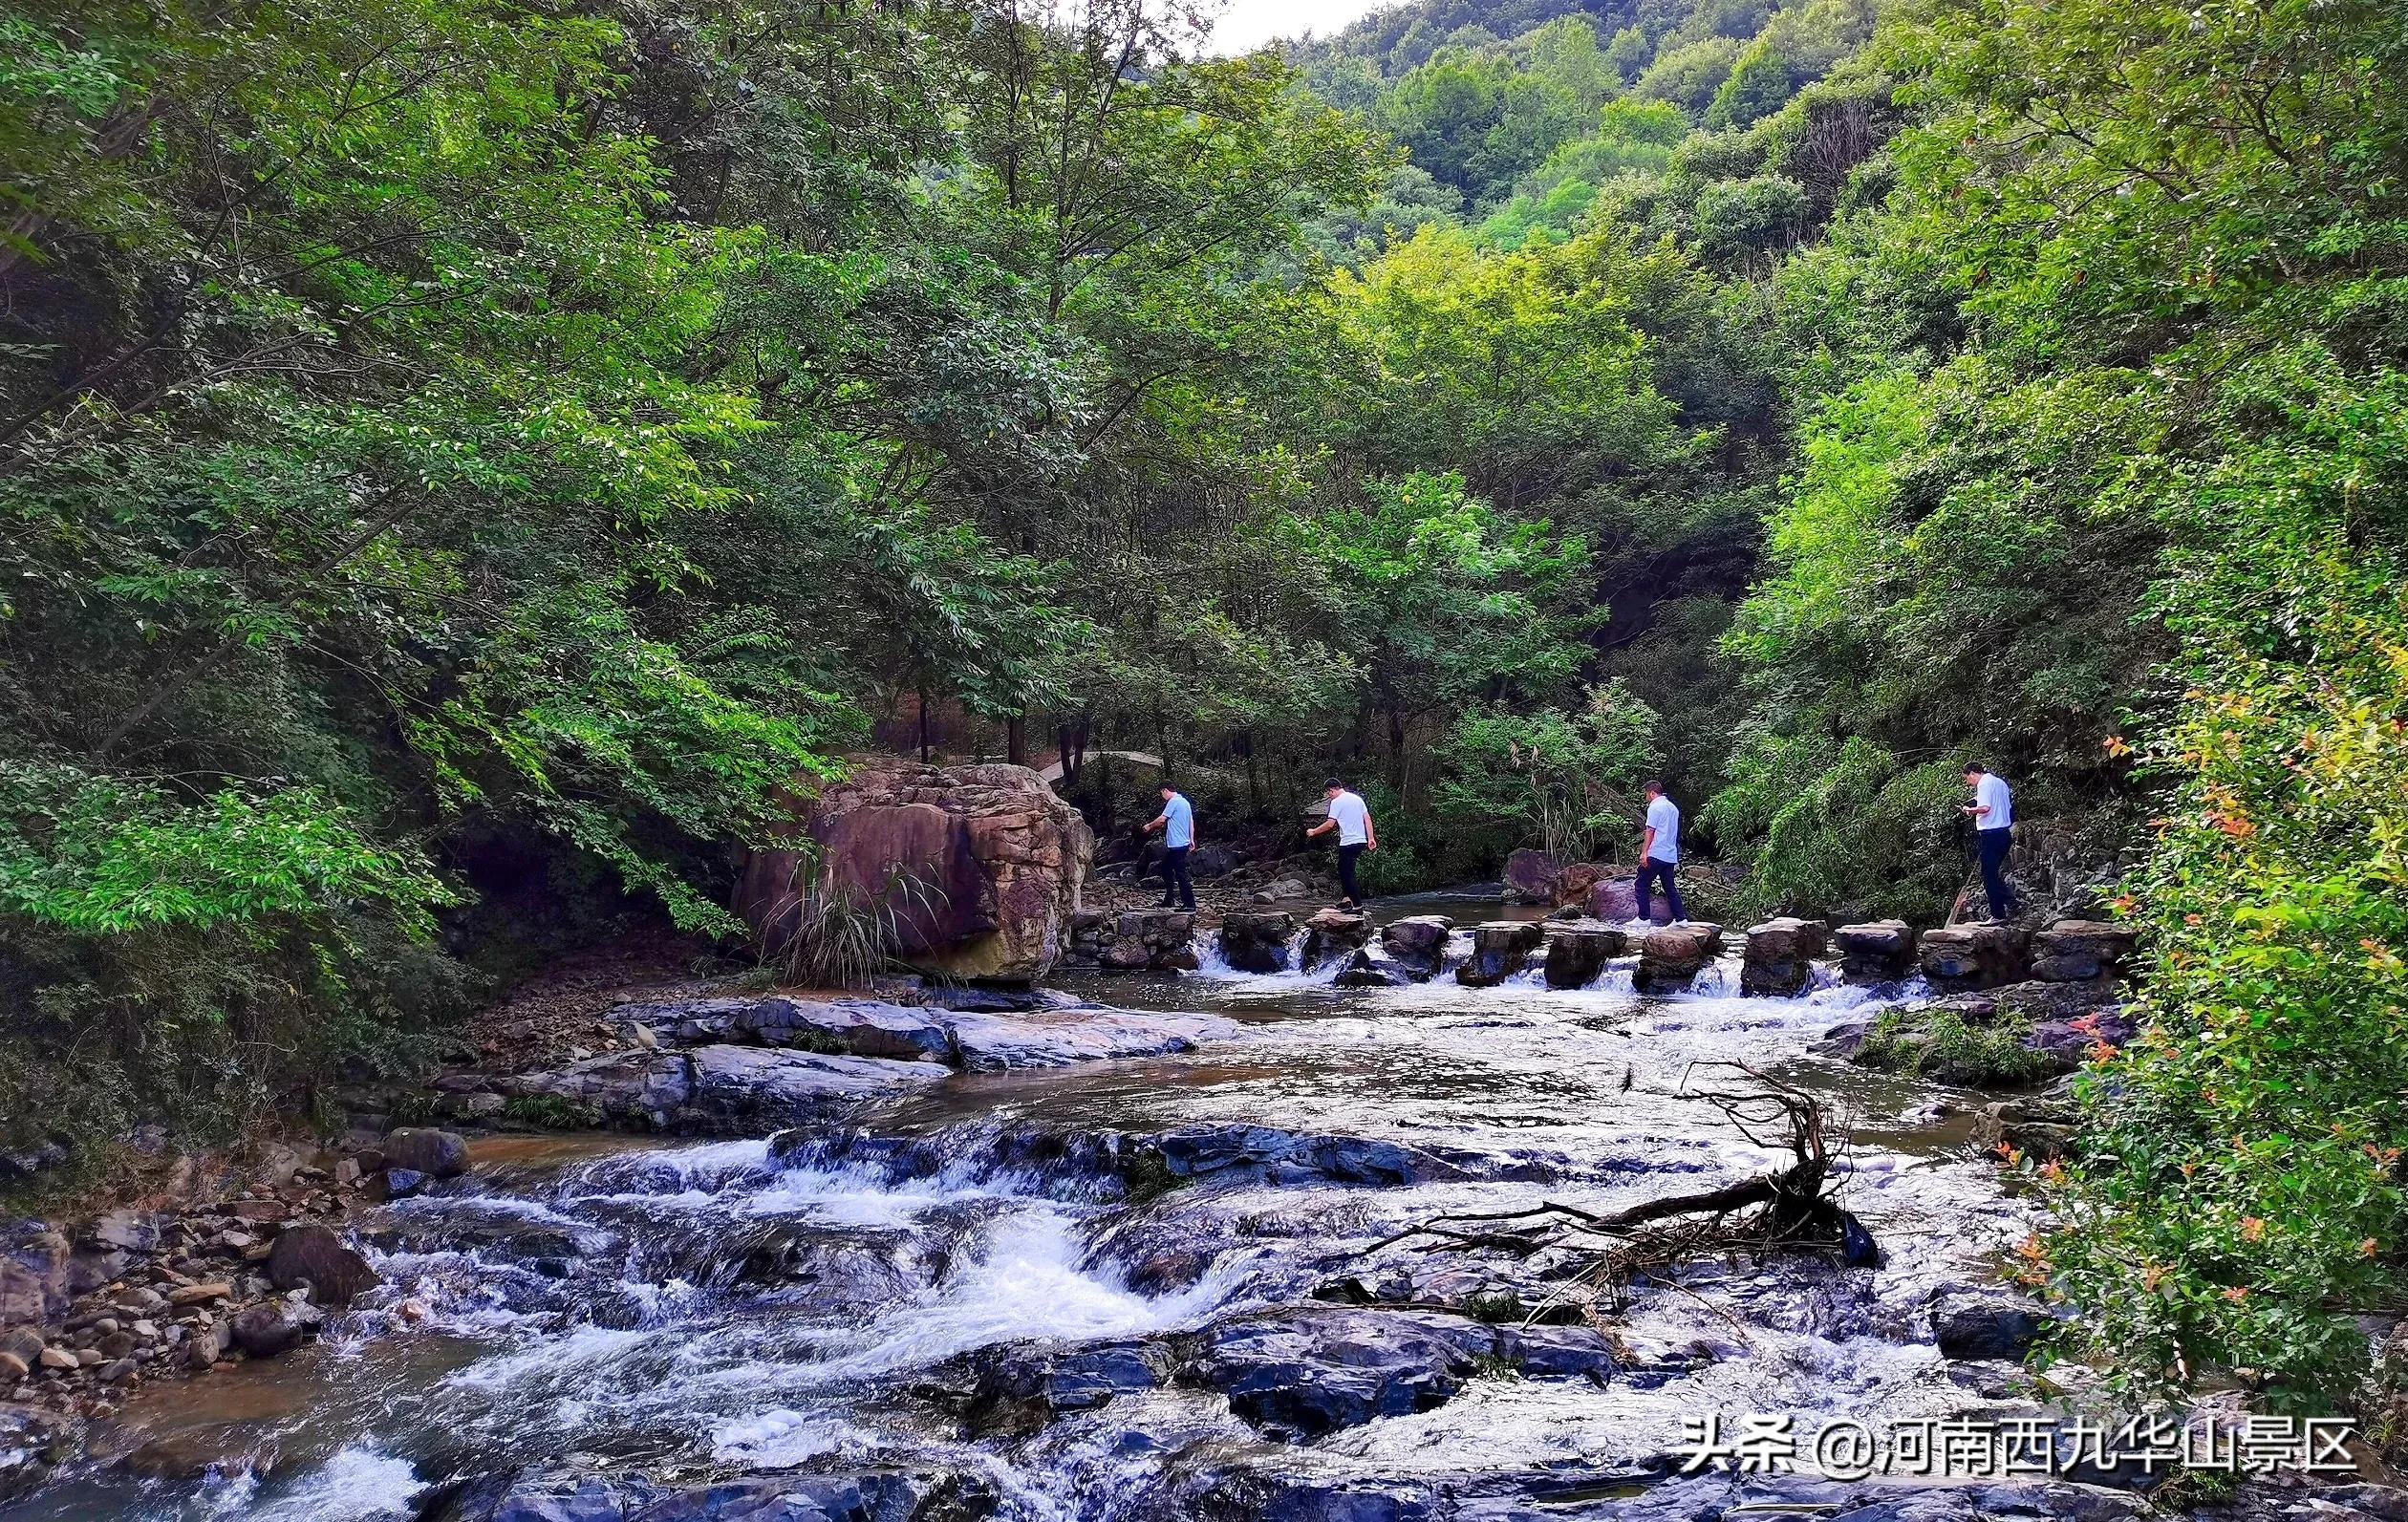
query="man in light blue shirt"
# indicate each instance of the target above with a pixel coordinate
(1994, 814)
(1177, 824)
(1660, 852)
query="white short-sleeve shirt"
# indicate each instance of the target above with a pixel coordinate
(1353, 817)
(1663, 817)
(1992, 790)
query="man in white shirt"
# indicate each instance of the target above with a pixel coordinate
(1660, 852)
(1351, 818)
(1177, 824)
(1994, 814)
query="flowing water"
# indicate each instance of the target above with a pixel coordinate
(691, 1310)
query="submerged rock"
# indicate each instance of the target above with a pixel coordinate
(1267, 1154)
(857, 1495)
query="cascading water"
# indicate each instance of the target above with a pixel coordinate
(1047, 1285)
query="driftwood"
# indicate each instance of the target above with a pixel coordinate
(1793, 1209)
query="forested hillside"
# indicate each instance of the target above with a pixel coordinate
(461, 459)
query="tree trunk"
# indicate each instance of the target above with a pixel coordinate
(1015, 738)
(921, 694)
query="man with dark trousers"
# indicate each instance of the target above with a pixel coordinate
(1993, 815)
(1177, 824)
(1660, 852)
(1351, 818)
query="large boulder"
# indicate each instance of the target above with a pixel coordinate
(1780, 957)
(1606, 892)
(980, 866)
(1882, 952)
(33, 1261)
(1579, 950)
(422, 1149)
(2081, 950)
(1258, 941)
(1418, 942)
(1970, 956)
(1532, 876)
(1499, 949)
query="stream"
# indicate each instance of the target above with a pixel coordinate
(957, 1305)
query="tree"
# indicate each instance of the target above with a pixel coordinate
(1567, 778)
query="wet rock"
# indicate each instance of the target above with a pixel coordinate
(1671, 956)
(1780, 956)
(1333, 934)
(2077, 951)
(1374, 967)
(748, 1082)
(1055, 1037)
(1973, 956)
(1014, 1391)
(1267, 1154)
(1844, 1040)
(400, 1182)
(1880, 951)
(1418, 943)
(437, 1154)
(1302, 1375)
(1532, 876)
(1986, 1324)
(33, 1442)
(271, 1327)
(1499, 949)
(313, 1255)
(1579, 950)
(861, 1495)
(1257, 942)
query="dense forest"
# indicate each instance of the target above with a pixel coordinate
(463, 459)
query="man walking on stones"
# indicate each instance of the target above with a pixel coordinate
(1994, 814)
(1659, 852)
(1177, 824)
(1351, 818)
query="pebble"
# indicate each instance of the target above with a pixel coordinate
(197, 1293)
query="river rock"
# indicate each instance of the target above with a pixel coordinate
(1671, 956)
(314, 1256)
(1972, 956)
(1532, 876)
(1579, 950)
(1374, 967)
(271, 1327)
(2070, 1042)
(1499, 949)
(1257, 942)
(32, 1440)
(994, 858)
(746, 1083)
(630, 1087)
(855, 1028)
(1054, 1037)
(1880, 952)
(1780, 956)
(437, 1154)
(1418, 942)
(1302, 1375)
(2080, 950)
(2037, 1000)
(1985, 1323)
(1267, 1154)
(1333, 934)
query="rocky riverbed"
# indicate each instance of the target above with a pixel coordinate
(1117, 1263)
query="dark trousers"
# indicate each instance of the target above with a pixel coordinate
(1346, 855)
(1994, 843)
(1652, 870)
(1174, 878)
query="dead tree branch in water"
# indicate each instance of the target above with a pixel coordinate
(1793, 1209)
